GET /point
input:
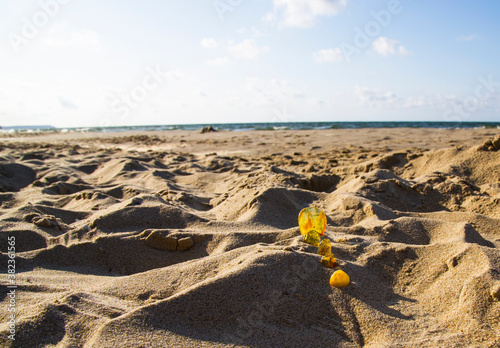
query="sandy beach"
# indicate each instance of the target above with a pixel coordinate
(183, 239)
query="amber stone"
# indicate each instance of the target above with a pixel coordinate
(312, 237)
(325, 247)
(340, 279)
(329, 261)
(312, 219)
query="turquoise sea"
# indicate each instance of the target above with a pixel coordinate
(262, 126)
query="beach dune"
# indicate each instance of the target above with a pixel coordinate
(183, 239)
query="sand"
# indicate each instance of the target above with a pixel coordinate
(183, 239)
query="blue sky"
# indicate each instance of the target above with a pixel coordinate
(75, 63)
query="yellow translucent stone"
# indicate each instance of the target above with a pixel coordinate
(340, 279)
(329, 261)
(312, 237)
(312, 219)
(325, 247)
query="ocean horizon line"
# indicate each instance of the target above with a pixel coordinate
(248, 126)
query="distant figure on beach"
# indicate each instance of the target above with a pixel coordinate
(208, 129)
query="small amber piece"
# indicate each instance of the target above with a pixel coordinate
(340, 279)
(325, 247)
(312, 219)
(329, 261)
(312, 237)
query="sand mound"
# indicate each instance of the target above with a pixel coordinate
(191, 240)
(249, 287)
(265, 206)
(15, 176)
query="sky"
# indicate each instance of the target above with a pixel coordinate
(85, 63)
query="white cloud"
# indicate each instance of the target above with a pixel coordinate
(175, 75)
(386, 47)
(318, 102)
(380, 98)
(470, 104)
(66, 103)
(261, 92)
(223, 61)
(83, 38)
(328, 55)
(303, 13)
(246, 49)
(403, 51)
(254, 32)
(209, 43)
(471, 37)
(375, 97)
(422, 101)
(54, 102)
